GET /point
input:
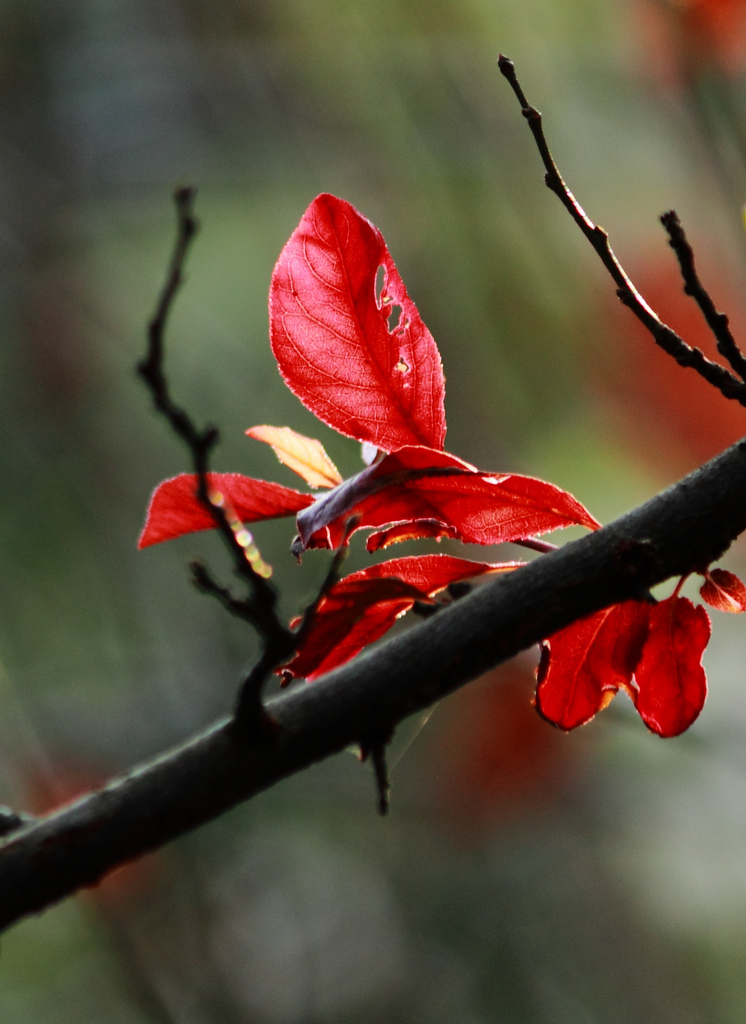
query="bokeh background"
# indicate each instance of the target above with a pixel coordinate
(522, 876)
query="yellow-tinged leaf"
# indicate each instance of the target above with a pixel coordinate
(304, 455)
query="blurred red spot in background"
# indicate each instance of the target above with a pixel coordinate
(685, 35)
(495, 755)
(668, 414)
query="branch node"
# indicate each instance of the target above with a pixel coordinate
(11, 821)
(251, 720)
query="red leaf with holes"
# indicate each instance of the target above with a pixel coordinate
(723, 590)
(416, 484)
(671, 682)
(363, 606)
(331, 338)
(583, 666)
(175, 508)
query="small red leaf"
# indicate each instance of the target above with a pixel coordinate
(175, 509)
(331, 338)
(410, 530)
(364, 605)
(433, 573)
(723, 590)
(671, 682)
(304, 455)
(349, 619)
(417, 483)
(584, 665)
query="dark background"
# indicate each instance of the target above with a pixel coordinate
(522, 876)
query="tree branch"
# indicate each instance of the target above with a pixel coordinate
(663, 335)
(717, 322)
(260, 606)
(682, 530)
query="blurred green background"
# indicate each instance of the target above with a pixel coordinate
(522, 876)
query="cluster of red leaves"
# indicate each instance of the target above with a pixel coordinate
(352, 347)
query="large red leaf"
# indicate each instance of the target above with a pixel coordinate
(175, 508)
(364, 605)
(584, 665)
(331, 338)
(671, 682)
(417, 483)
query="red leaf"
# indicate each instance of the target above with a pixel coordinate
(432, 573)
(304, 455)
(724, 591)
(175, 508)
(330, 333)
(416, 484)
(364, 605)
(671, 682)
(416, 530)
(583, 666)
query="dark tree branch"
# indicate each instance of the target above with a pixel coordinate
(664, 336)
(682, 530)
(260, 606)
(716, 321)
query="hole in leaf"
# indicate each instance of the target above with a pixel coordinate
(402, 326)
(395, 321)
(380, 284)
(401, 366)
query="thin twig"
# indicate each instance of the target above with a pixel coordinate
(260, 607)
(542, 546)
(250, 693)
(333, 574)
(374, 747)
(716, 321)
(664, 336)
(203, 581)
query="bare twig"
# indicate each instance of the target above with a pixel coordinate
(333, 574)
(685, 355)
(716, 321)
(374, 748)
(260, 606)
(203, 581)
